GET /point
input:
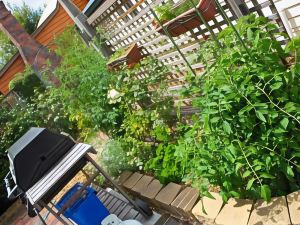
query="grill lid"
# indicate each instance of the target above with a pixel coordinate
(34, 154)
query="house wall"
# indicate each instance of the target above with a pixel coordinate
(17, 67)
(53, 28)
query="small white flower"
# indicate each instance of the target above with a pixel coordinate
(113, 93)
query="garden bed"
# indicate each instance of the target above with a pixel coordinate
(189, 19)
(131, 56)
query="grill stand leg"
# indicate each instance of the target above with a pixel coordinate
(40, 217)
(54, 214)
(89, 158)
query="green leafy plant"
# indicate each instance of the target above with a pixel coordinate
(114, 158)
(164, 164)
(26, 83)
(245, 140)
(85, 85)
(120, 52)
(169, 10)
(146, 118)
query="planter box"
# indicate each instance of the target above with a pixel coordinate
(189, 20)
(131, 57)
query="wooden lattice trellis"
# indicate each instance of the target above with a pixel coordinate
(130, 21)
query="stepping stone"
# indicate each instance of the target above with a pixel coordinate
(132, 180)
(212, 208)
(293, 201)
(166, 196)
(123, 177)
(151, 190)
(142, 184)
(273, 213)
(185, 201)
(235, 212)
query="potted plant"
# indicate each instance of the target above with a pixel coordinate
(182, 17)
(130, 55)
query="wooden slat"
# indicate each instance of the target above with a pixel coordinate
(131, 214)
(136, 18)
(124, 211)
(115, 207)
(111, 204)
(129, 11)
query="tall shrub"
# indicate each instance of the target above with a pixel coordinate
(246, 138)
(85, 84)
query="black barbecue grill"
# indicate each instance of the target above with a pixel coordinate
(31, 157)
(42, 163)
(34, 154)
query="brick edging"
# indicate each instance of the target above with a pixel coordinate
(185, 202)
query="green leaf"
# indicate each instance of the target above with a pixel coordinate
(290, 107)
(289, 172)
(235, 194)
(298, 168)
(284, 123)
(250, 183)
(268, 162)
(246, 174)
(226, 127)
(249, 34)
(296, 154)
(266, 175)
(260, 116)
(265, 192)
(255, 43)
(215, 119)
(238, 166)
(208, 194)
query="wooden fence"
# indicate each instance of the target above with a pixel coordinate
(130, 21)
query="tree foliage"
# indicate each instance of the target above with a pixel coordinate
(28, 18)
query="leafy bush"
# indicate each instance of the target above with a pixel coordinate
(164, 164)
(114, 158)
(245, 139)
(144, 108)
(28, 18)
(43, 110)
(85, 85)
(25, 83)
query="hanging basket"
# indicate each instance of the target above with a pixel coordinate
(189, 20)
(131, 57)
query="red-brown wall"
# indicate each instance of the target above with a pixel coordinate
(53, 28)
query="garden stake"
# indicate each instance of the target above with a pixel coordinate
(172, 40)
(233, 27)
(206, 24)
